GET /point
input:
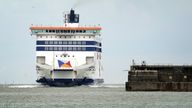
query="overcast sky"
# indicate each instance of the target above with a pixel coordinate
(157, 31)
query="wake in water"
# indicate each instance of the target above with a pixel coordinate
(25, 86)
(109, 85)
(95, 86)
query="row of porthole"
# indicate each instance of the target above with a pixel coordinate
(65, 31)
(68, 49)
(68, 43)
(65, 42)
(65, 48)
(65, 37)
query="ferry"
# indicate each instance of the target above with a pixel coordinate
(68, 55)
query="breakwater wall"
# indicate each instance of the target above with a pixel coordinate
(159, 78)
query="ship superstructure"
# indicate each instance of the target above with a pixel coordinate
(68, 55)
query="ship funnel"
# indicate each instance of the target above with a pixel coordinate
(72, 17)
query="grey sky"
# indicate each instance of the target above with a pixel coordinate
(158, 31)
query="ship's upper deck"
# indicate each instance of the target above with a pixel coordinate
(70, 26)
(64, 29)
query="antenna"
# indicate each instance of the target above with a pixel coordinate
(133, 62)
(143, 63)
(65, 16)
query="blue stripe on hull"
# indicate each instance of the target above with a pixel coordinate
(69, 82)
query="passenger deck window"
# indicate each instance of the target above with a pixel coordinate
(51, 42)
(60, 42)
(69, 48)
(83, 43)
(74, 48)
(64, 42)
(55, 42)
(64, 48)
(46, 42)
(69, 42)
(79, 42)
(79, 48)
(74, 42)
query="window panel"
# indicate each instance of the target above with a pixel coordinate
(79, 48)
(64, 42)
(74, 42)
(83, 43)
(50, 48)
(79, 42)
(69, 42)
(55, 48)
(74, 49)
(55, 42)
(51, 42)
(69, 48)
(60, 48)
(83, 49)
(64, 48)
(60, 42)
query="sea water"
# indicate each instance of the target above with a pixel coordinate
(103, 96)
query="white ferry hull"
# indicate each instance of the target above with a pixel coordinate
(68, 55)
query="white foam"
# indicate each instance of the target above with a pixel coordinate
(108, 86)
(95, 86)
(115, 86)
(23, 86)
